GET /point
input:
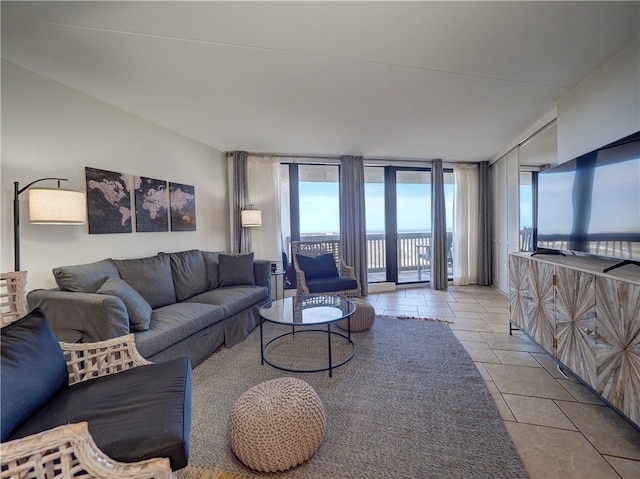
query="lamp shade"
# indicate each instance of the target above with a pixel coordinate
(57, 206)
(251, 218)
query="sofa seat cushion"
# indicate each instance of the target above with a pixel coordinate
(175, 322)
(138, 414)
(232, 299)
(328, 285)
(33, 369)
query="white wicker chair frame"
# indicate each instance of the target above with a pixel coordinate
(316, 248)
(13, 296)
(68, 452)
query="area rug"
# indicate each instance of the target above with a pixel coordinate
(410, 404)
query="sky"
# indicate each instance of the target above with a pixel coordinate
(319, 207)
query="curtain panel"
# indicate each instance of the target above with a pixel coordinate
(240, 237)
(465, 227)
(263, 179)
(484, 224)
(439, 273)
(353, 228)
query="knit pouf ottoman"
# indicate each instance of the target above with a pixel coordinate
(362, 319)
(277, 425)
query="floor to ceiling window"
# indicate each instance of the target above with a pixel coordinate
(397, 208)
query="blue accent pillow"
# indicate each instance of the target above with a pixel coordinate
(322, 266)
(138, 309)
(32, 371)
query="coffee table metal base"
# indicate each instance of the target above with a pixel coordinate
(293, 332)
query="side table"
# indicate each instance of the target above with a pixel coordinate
(278, 273)
(68, 335)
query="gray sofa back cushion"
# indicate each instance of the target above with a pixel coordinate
(211, 263)
(150, 277)
(189, 273)
(84, 278)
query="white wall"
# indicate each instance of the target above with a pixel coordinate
(603, 107)
(51, 130)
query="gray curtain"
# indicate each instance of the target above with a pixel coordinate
(353, 229)
(484, 224)
(439, 273)
(240, 194)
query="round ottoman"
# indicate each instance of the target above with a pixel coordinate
(362, 319)
(277, 425)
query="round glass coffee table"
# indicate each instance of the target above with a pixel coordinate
(312, 310)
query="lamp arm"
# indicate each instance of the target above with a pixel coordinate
(18, 192)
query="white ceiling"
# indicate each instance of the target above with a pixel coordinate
(452, 80)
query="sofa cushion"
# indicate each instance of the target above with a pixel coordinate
(33, 369)
(189, 273)
(133, 415)
(329, 285)
(233, 298)
(322, 266)
(138, 309)
(236, 269)
(151, 277)
(84, 278)
(211, 264)
(175, 322)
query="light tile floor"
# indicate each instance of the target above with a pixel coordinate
(559, 427)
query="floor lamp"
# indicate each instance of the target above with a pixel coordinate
(53, 206)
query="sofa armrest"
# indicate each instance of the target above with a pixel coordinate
(92, 360)
(262, 273)
(98, 316)
(70, 449)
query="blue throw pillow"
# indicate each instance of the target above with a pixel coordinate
(322, 266)
(32, 371)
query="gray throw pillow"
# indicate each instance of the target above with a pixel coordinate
(84, 278)
(236, 269)
(151, 277)
(211, 265)
(138, 309)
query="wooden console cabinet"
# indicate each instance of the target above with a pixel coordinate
(588, 320)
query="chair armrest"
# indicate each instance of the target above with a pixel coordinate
(69, 451)
(301, 281)
(347, 271)
(92, 360)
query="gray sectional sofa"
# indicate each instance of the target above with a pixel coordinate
(188, 303)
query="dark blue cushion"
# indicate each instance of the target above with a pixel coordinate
(322, 266)
(33, 369)
(133, 415)
(329, 285)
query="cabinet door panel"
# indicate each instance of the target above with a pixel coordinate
(575, 316)
(618, 345)
(518, 290)
(540, 321)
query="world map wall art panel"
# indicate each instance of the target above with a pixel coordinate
(108, 201)
(156, 205)
(152, 204)
(183, 207)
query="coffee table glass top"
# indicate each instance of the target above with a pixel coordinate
(312, 309)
